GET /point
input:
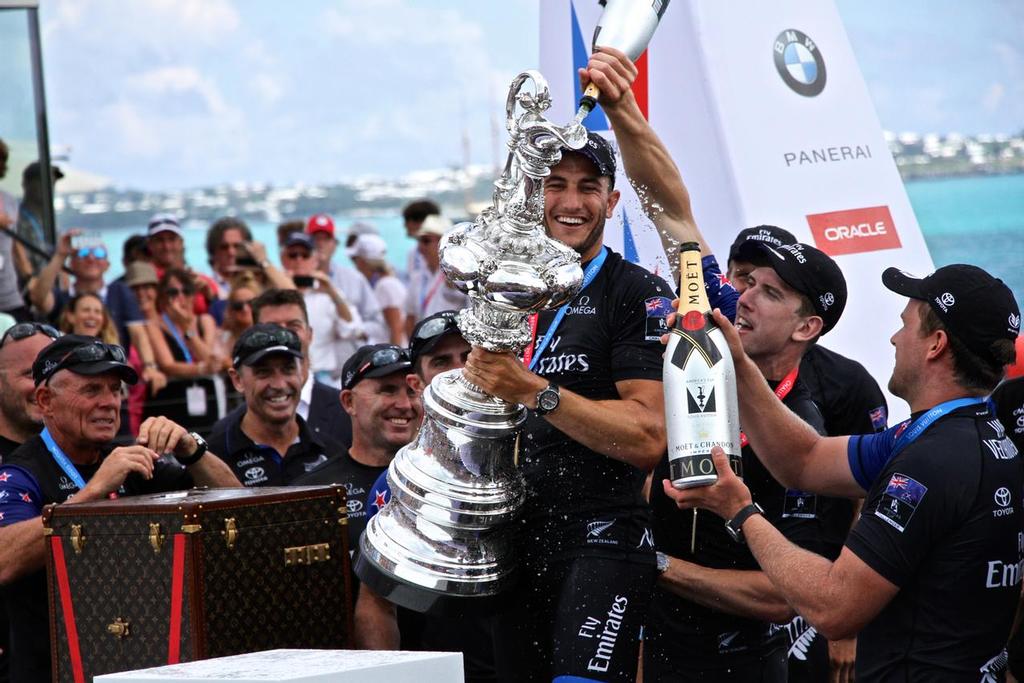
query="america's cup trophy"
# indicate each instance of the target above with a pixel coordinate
(442, 544)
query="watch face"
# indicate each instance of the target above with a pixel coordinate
(549, 401)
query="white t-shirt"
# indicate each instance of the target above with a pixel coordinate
(334, 339)
(391, 293)
(357, 291)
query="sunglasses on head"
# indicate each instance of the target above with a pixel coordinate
(89, 353)
(433, 328)
(26, 330)
(259, 340)
(379, 359)
(98, 253)
(237, 306)
(172, 292)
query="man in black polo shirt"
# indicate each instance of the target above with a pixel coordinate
(930, 575)
(385, 414)
(78, 392)
(267, 443)
(596, 427)
(318, 402)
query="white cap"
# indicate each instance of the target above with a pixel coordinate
(369, 247)
(165, 222)
(435, 225)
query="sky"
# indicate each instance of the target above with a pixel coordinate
(164, 94)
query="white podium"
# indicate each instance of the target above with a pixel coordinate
(306, 666)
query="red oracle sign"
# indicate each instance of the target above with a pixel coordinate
(854, 230)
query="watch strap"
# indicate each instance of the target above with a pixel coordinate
(735, 525)
(197, 454)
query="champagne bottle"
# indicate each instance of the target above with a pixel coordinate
(701, 409)
(626, 25)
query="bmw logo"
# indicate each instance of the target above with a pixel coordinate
(799, 62)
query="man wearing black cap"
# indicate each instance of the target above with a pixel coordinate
(930, 574)
(436, 346)
(849, 397)
(385, 414)
(78, 391)
(596, 426)
(318, 402)
(716, 609)
(267, 443)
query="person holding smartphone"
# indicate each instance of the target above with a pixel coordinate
(337, 329)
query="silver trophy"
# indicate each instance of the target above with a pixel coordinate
(442, 544)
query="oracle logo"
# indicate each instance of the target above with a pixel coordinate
(852, 231)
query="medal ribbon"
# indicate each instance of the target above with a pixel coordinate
(781, 392)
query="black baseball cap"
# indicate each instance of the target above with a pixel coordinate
(809, 271)
(374, 360)
(299, 239)
(974, 306)
(81, 355)
(429, 332)
(599, 151)
(769, 234)
(262, 340)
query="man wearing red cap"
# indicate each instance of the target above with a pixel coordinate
(347, 280)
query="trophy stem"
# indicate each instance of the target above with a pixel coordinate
(442, 544)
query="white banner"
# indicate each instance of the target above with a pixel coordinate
(764, 109)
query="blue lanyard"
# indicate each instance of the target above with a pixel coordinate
(177, 338)
(918, 426)
(588, 276)
(62, 460)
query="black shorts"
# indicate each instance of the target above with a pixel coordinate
(577, 618)
(752, 655)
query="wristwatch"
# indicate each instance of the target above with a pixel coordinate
(735, 525)
(199, 452)
(548, 399)
(662, 562)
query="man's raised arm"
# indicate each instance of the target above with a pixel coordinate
(647, 162)
(796, 455)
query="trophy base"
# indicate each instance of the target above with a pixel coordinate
(428, 601)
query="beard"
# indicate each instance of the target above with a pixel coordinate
(593, 237)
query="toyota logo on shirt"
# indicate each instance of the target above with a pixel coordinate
(1002, 496)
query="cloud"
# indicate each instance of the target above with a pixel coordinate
(993, 96)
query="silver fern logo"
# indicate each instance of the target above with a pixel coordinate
(801, 637)
(595, 529)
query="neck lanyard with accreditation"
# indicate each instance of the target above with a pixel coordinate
(781, 392)
(530, 358)
(63, 461)
(177, 338)
(918, 427)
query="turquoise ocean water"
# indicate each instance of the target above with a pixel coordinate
(977, 220)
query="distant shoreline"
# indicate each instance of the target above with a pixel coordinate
(945, 175)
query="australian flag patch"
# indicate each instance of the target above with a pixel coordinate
(656, 308)
(900, 499)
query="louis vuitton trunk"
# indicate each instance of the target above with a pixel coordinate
(175, 577)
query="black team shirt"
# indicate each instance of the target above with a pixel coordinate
(580, 501)
(258, 464)
(942, 521)
(681, 633)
